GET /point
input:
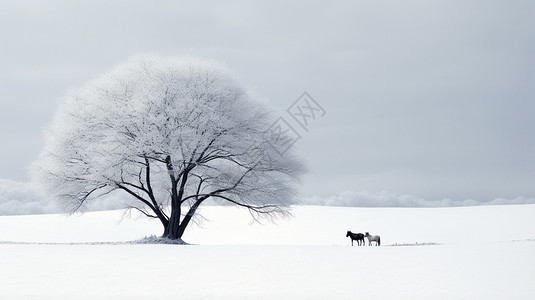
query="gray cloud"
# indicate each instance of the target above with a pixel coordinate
(18, 198)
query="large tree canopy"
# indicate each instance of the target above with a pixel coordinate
(171, 133)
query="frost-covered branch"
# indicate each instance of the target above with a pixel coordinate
(170, 134)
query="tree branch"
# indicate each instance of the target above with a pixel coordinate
(257, 209)
(143, 212)
(129, 191)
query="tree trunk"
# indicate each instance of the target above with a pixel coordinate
(188, 217)
(172, 230)
(175, 228)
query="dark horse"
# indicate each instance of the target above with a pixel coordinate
(356, 236)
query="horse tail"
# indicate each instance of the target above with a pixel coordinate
(379, 241)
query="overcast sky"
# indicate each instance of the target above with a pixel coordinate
(429, 98)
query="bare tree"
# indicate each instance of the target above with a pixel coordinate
(171, 133)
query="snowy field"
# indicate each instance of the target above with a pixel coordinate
(485, 252)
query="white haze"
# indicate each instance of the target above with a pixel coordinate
(17, 198)
(388, 199)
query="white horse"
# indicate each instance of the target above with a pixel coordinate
(373, 238)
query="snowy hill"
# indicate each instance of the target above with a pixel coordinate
(483, 252)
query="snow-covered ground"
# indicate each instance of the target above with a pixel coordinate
(484, 252)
